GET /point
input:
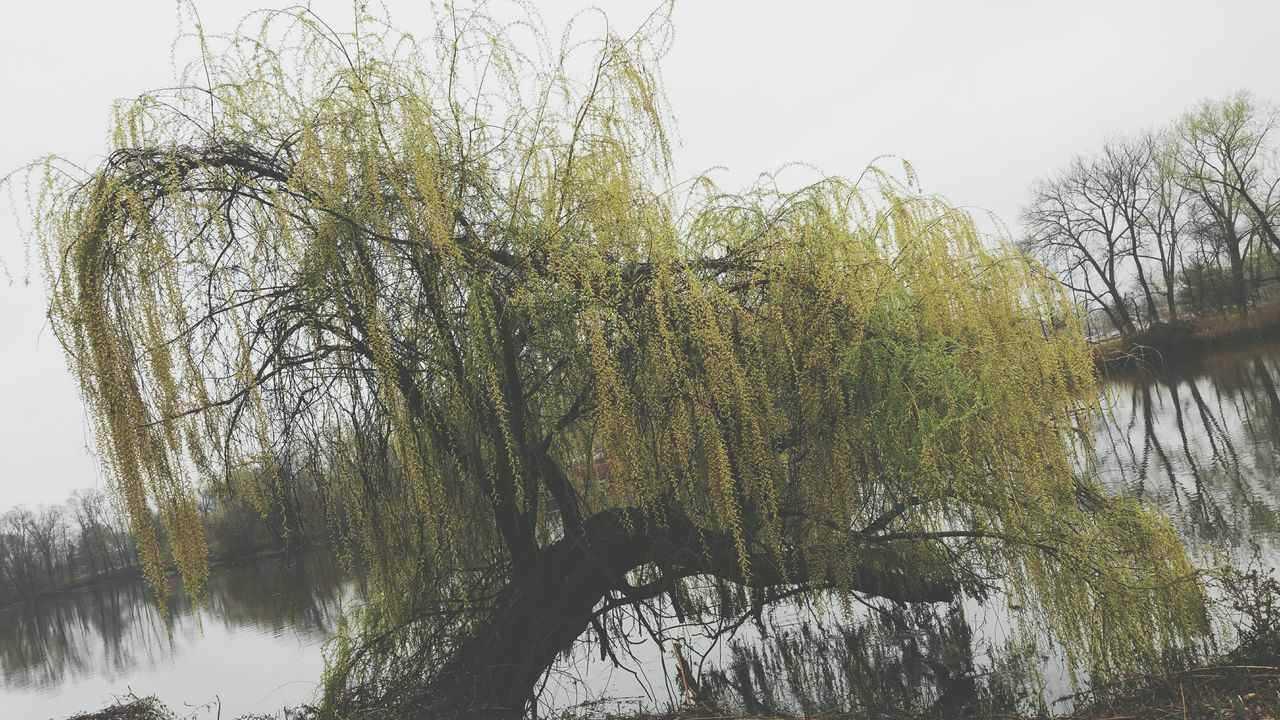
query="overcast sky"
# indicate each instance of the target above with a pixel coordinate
(982, 97)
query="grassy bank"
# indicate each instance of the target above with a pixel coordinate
(132, 707)
(1180, 340)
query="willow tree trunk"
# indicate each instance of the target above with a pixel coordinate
(495, 674)
(538, 616)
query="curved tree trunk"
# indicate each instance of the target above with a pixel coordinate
(496, 672)
(494, 675)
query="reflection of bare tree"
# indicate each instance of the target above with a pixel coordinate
(1267, 387)
(1211, 432)
(111, 630)
(1151, 438)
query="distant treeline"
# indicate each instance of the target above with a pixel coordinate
(1179, 219)
(60, 545)
(86, 539)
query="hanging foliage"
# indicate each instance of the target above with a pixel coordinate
(547, 382)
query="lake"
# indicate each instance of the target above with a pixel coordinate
(256, 647)
(1200, 441)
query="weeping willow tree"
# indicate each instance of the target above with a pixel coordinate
(547, 384)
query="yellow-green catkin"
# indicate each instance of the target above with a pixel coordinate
(337, 249)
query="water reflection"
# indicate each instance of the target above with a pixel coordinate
(895, 659)
(1202, 443)
(73, 652)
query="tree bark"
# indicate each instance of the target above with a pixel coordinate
(1239, 294)
(496, 672)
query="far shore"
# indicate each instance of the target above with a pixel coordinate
(1166, 343)
(133, 573)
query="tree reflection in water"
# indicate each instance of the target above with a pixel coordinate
(916, 660)
(1200, 442)
(116, 630)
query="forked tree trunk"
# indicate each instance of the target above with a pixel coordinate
(1238, 289)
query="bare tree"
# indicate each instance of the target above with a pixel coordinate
(1075, 226)
(1195, 205)
(1120, 186)
(1224, 162)
(90, 510)
(16, 527)
(1166, 215)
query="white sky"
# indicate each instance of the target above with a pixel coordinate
(981, 97)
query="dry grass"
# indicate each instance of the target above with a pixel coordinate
(1219, 329)
(1185, 339)
(130, 708)
(1226, 692)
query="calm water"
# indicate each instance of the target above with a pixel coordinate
(1200, 442)
(255, 648)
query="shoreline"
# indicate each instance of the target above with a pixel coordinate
(1233, 687)
(133, 573)
(1186, 340)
